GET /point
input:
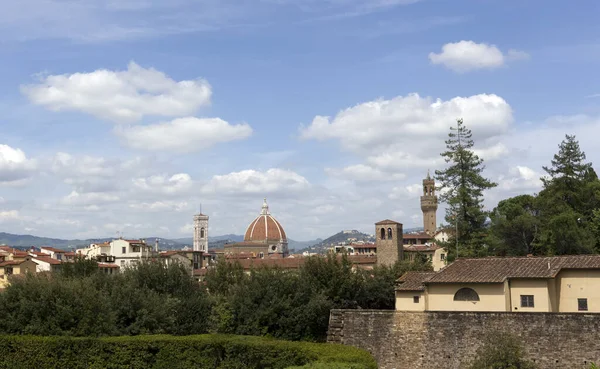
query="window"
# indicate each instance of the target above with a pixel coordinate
(389, 233)
(383, 233)
(135, 249)
(582, 305)
(58, 256)
(466, 294)
(527, 301)
(122, 263)
(442, 256)
(201, 232)
(8, 270)
(124, 250)
(416, 299)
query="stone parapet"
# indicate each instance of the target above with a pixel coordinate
(414, 340)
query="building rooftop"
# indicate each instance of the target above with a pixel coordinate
(421, 248)
(53, 249)
(47, 259)
(413, 281)
(497, 270)
(387, 221)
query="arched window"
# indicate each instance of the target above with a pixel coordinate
(466, 294)
(383, 233)
(390, 233)
(201, 232)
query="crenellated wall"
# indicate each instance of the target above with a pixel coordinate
(414, 340)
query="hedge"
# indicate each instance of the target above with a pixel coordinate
(170, 352)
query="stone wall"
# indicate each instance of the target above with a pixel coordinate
(414, 340)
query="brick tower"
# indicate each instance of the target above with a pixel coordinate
(388, 235)
(429, 205)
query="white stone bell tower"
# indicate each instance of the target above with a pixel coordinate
(201, 232)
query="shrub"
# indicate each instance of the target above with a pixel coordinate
(501, 351)
(169, 352)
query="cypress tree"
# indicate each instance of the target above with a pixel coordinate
(461, 186)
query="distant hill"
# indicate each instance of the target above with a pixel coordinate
(341, 237)
(21, 241)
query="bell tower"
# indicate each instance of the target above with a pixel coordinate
(388, 236)
(200, 232)
(429, 205)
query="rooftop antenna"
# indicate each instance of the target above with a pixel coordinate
(200, 208)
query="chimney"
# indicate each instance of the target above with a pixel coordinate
(156, 245)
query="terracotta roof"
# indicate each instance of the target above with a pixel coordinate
(286, 263)
(387, 221)
(11, 262)
(417, 236)
(413, 281)
(365, 246)
(248, 243)
(420, 248)
(70, 253)
(47, 259)
(265, 228)
(497, 270)
(53, 249)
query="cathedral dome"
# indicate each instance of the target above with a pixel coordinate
(265, 228)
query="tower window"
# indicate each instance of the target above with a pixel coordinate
(201, 232)
(389, 233)
(383, 233)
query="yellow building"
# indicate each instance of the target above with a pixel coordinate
(19, 266)
(519, 284)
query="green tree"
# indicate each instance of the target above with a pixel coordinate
(501, 351)
(515, 226)
(567, 202)
(80, 267)
(462, 186)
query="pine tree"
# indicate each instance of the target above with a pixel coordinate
(461, 186)
(570, 195)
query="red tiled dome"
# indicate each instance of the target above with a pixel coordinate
(265, 228)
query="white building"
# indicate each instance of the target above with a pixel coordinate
(201, 232)
(121, 252)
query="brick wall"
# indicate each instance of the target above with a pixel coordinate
(414, 340)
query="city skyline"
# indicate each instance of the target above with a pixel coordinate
(125, 116)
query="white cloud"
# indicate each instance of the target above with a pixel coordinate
(364, 173)
(183, 134)
(162, 185)
(120, 96)
(412, 191)
(464, 56)
(406, 134)
(256, 182)
(90, 198)
(9, 215)
(496, 151)
(15, 167)
(516, 181)
(161, 206)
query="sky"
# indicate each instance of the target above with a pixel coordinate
(130, 116)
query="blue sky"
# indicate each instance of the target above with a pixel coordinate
(125, 115)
